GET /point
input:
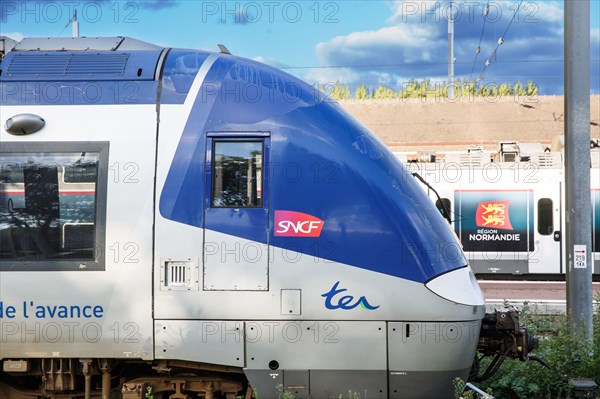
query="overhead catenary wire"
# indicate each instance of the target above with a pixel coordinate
(500, 42)
(409, 64)
(486, 11)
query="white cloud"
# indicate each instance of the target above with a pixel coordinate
(413, 44)
(550, 11)
(330, 75)
(408, 43)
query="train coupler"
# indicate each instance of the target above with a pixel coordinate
(502, 336)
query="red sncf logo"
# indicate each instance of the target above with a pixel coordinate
(493, 214)
(297, 224)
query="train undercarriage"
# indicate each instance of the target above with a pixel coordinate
(501, 337)
(122, 379)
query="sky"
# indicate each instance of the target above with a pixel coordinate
(369, 42)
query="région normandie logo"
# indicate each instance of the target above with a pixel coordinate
(493, 214)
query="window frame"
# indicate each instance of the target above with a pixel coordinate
(547, 212)
(49, 265)
(212, 165)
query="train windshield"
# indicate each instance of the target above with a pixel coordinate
(48, 206)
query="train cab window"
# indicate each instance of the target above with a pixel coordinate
(52, 207)
(237, 174)
(545, 217)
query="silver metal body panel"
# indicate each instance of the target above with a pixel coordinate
(123, 290)
(83, 44)
(321, 384)
(218, 342)
(69, 44)
(333, 384)
(417, 346)
(424, 384)
(326, 345)
(6, 45)
(231, 266)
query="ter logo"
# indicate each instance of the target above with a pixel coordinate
(493, 214)
(346, 302)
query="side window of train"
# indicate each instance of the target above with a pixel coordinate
(237, 174)
(444, 206)
(52, 206)
(545, 223)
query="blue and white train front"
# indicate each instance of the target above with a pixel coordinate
(316, 240)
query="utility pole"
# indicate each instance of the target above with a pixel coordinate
(73, 20)
(451, 53)
(75, 25)
(577, 166)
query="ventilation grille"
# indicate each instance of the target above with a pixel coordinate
(176, 273)
(68, 65)
(547, 159)
(471, 159)
(179, 275)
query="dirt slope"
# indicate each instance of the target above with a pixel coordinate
(437, 124)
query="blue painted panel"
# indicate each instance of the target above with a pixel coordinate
(182, 196)
(79, 78)
(323, 163)
(78, 93)
(181, 68)
(249, 223)
(79, 66)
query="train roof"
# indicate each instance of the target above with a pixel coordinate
(77, 59)
(85, 44)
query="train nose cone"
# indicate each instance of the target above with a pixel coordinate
(458, 286)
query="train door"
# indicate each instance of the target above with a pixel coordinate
(546, 256)
(236, 212)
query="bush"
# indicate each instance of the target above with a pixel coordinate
(568, 354)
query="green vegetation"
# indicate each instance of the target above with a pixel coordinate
(362, 93)
(282, 393)
(568, 355)
(460, 392)
(351, 395)
(427, 89)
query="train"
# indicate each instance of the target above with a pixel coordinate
(507, 207)
(182, 224)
